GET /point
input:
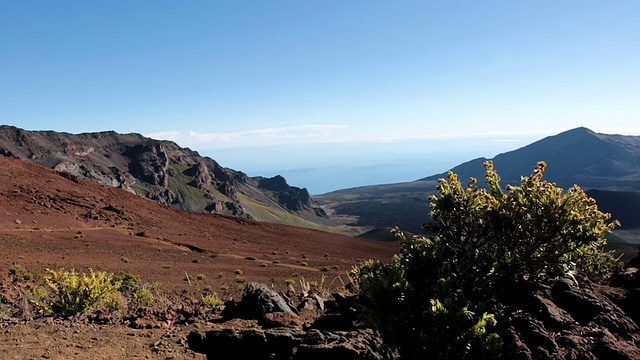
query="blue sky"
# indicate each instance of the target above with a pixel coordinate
(270, 87)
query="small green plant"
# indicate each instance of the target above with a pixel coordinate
(239, 279)
(304, 263)
(290, 282)
(326, 255)
(124, 260)
(263, 265)
(167, 266)
(18, 270)
(238, 272)
(76, 293)
(144, 297)
(129, 283)
(224, 287)
(212, 300)
(276, 261)
(201, 277)
(142, 233)
(220, 275)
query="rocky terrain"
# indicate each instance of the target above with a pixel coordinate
(163, 172)
(297, 304)
(51, 220)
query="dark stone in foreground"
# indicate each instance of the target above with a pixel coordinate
(257, 300)
(288, 344)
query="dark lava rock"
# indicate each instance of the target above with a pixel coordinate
(288, 344)
(257, 300)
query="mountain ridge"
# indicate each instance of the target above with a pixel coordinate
(607, 166)
(576, 156)
(161, 171)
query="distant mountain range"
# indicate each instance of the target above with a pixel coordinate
(579, 156)
(608, 166)
(163, 172)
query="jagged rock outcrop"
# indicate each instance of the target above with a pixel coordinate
(568, 320)
(158, 170)
(290, 340)
(289, 197)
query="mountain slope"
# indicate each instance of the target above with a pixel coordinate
(161, 171)
(609, 165)
(578, 156)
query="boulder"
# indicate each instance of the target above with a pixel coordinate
(257, 300)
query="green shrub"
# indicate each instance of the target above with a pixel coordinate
(76, 293)
(144, 297)
(220, 275)
(290, 282)
(129, 283)
(238, 272)
(239, 279)
(201, 277)
(18, 270)
(432, 300)
(212, 300)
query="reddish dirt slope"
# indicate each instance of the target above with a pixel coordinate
(49, 221)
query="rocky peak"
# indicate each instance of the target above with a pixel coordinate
(158, 170)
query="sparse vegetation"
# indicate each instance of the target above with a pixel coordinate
(304, 263)
(239, 279)
(220, 275)
(201, 277)
(432, 301)
(212, 300)
(24, 273)
(124, 259)
(76, 293)
(238, 272)
(276, 261)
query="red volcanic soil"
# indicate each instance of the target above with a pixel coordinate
(48, 221)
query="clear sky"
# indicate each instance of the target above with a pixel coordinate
(283, 86)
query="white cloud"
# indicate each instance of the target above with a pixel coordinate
(289, 135)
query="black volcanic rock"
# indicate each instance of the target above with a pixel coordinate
(158, 170)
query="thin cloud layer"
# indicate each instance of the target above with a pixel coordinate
(289, 135)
